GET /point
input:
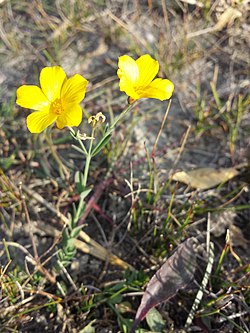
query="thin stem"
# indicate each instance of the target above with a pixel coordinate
(89, 153)
(161, 129)
(88, 160)
(120, 117)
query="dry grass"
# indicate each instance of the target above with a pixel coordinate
(136, 212)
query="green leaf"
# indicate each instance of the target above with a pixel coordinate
(155, 321)
(101, 144)
(70, 225)
(216, 96)
(80, 150)
(6, 162)
(115, 300)
(75, 232)
(81, 206)
(69, 247)
(78, 181)
(80, 185)
(124, 324)
(85, 193)
(65, 235)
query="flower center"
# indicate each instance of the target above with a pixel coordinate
(56, 107)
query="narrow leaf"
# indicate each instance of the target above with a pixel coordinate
(175, 274)
(85, 193)
(101, 144)
(75, 232)
(80, 150)
(79, 181)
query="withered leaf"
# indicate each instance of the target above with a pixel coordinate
(205, 178)
(227, 18)
(175, 274)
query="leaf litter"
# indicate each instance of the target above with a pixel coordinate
(175, 274)
(205, 178)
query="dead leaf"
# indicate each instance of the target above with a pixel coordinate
(205, 178)
(175, 274)
(227, 18)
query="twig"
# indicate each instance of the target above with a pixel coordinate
(32, 260)
(165, 15)
(184, 141)
(232, 199)
(29, 223)
(67, 275)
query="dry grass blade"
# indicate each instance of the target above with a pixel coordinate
(204, 282)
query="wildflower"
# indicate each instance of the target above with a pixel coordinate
(137, 79)
(99, 118)
(56, 101)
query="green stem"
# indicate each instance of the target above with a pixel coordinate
(120, 117)
(89, 152)
(88, 159)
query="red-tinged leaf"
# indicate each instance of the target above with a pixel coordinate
(175, 274)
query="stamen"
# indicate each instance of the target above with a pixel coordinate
(56, 106)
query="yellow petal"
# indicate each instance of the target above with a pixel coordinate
(74, 89)
(51, 81)
(148, 68)
(71, 116)
(126, 86)
(159, 89)
(31, 97)
(128, 68)
(39, 120)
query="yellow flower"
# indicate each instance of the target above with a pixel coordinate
(56, 101)
(137, 78)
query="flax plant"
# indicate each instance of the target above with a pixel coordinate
(58, 99)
